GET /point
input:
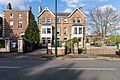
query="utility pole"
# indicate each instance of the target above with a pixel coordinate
(56, 28)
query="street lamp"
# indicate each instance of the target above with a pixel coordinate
(56, 28)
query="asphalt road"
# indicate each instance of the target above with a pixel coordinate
(59, 70)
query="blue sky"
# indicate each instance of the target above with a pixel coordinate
(63, 5)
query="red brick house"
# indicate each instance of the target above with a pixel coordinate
(69, 25)
(15, 22)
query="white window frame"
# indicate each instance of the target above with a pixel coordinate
(44, 20)
(65, 20)
(21, 34)
(58, 30)
(65, 31)
(50, 31)
(74, 30)
(43, 30)
(79, 30)
(20, 16)
(49, 20)
(58, 20)
(11, 15)
(20, 22)
(78, 19)
(11, 24)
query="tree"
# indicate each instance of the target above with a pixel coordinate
(32, 33)
(113, 39)
(103, 20)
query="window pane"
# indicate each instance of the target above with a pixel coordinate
(79, 39)
(65, 38)
(49, 20)
(11, 35)
(20, 24)
(75, 30)
(11, 24)
(49, 41)
(58, 30)
(43, 30)
(73, 20)
(80, 30)
(43, 20)
(65, 30)
(11, 15)
(48, 30)
(44, 42)
(58, 20)
(78, 20)
(65, 20)
(20, 15)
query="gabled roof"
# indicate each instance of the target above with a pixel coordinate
(45, 10)
(76, 10)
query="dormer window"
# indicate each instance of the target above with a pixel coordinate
(11, 15)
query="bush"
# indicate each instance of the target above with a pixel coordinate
(97, 45)
(68, 46)
(2, 43)
(80, 50)
(14, 50)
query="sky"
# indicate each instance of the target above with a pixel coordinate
(63, 5)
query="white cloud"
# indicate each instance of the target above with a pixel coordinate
(74, 3)
(87, 12)
(102, 8)
(101, 0)
(1, 15)
(15, 3)
(68, 10)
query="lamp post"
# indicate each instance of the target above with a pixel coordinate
(56, 28)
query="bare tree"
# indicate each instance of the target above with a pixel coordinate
(103, 20)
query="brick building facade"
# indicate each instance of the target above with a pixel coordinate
(15, 22)
(69, 25)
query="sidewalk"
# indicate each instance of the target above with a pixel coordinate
(41, 54)
(36, 54)
(89, 57)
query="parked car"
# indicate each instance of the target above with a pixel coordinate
(110, 44)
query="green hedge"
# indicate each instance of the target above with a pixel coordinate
(80, 50)
(2, 43)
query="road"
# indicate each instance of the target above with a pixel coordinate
(11, 69)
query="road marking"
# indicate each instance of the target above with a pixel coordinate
(8, 67)
(97, 69)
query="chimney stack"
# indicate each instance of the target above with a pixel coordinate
(9, 7)
(81, 8)
(40, 9)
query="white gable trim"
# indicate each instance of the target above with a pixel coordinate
(75, 10)
(44, 10)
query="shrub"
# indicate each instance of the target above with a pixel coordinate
(32, 33)
(80, 50)
(97, 45)
(2, 43)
